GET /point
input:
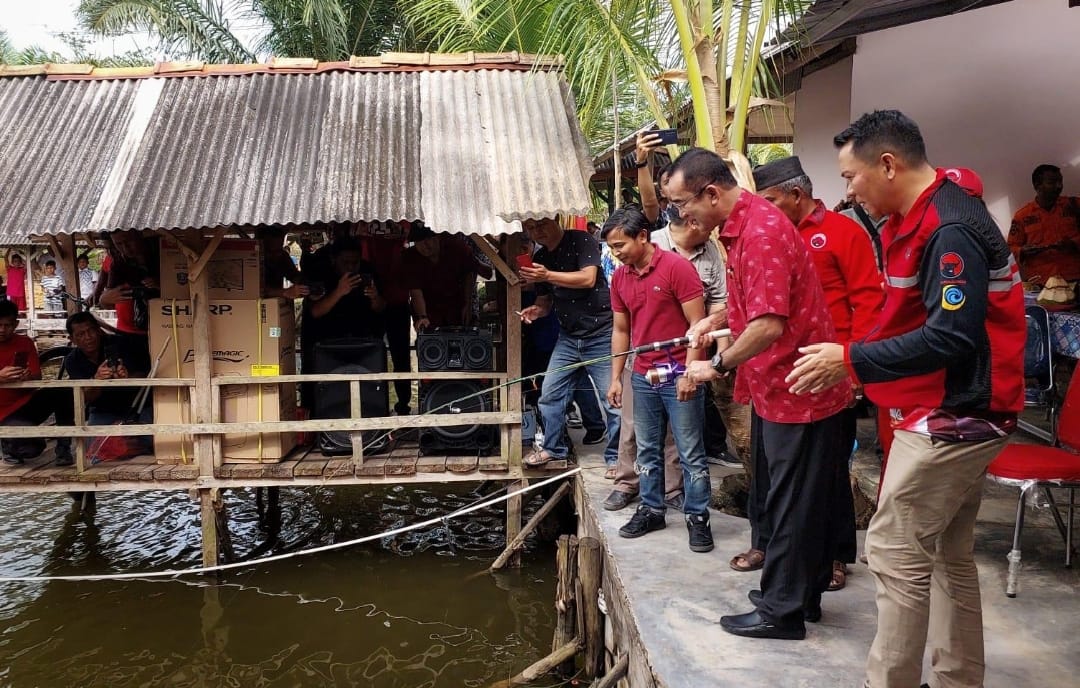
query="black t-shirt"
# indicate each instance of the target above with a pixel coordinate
(352, 316)
(582, 313)
(112, 400)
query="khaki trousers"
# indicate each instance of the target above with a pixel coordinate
(626, 477)
(920, 550)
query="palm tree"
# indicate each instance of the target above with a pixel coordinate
(238, 31)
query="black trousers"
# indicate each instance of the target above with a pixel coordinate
(42, 404)
(715, 430)
(398, 321)
(795, 475)
(843, 504)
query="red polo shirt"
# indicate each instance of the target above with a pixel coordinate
(770, 272)
(11, 400)
(653, 298)
(844, 260)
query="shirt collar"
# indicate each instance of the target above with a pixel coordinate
(735, 222)
(652, 263)
(815, 218)
(913, 219)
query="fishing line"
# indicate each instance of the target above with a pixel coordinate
(289, 555)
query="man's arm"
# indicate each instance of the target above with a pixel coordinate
(620, 342)
(694, 312)
(863, 281)
(584, 278)
(646, 143)
(955, 314)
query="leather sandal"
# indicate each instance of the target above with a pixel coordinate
(753, 559)
(839, 576)
(537, 458)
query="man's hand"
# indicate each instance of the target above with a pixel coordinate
(422, 324)
(113, 295)
(685, 388)
(534, 273)
(108, 372)
(348, 282)
(296, 291)
(13, 374)
(820, 367)
(614, 393)
(531, 314)
(699, 332)
(645, 144)
(701, 371)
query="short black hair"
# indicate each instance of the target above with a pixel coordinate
(700, 167)
(884, 131)
(346, 245)
(1045, 168)
(80, 318)
(630, 220)
(8, 309)
(50, 262)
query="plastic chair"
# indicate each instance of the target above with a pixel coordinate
(1039, 371)
(1033, 467)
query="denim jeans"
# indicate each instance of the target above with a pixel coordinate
(558, 389)
(654, 409)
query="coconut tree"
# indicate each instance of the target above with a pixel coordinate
(240, 31)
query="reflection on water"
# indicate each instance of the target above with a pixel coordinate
(404, 613)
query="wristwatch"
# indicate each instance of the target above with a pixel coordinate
(717, 362)
(639, 165)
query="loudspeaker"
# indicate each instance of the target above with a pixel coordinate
(454, 397)
(455, 348)
(349, 356)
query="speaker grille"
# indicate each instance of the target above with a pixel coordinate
(450, 398)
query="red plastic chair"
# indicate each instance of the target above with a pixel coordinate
(1031, 467)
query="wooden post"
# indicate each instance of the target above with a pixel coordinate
(510, 396)
(356, 411)
(513, 520)
(590, 575)
(617, 672)
(208, 519)
(565, 598)
(66, 259)
(80, 420)
(514, 546)
(202, 401)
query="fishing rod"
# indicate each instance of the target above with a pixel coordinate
(664, 373)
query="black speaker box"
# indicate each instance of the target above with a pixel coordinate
(348, 356)
(453, 397)
(455, 348)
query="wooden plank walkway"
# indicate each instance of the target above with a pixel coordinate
(402, 462)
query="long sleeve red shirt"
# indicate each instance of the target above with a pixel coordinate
(844, 260)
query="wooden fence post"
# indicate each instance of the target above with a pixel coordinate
(590, 576)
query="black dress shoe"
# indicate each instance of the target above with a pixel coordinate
(753, 625)
(811, 614)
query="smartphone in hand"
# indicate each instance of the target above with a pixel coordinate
(668, 137)
(524, 260)
(22, 359)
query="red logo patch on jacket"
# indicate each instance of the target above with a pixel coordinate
(951, 265)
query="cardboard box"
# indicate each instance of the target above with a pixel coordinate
(234, 270)
(248, 338)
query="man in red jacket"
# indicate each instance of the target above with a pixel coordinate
(947, 359)
(844, 261)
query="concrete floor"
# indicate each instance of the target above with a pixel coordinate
(677, 598)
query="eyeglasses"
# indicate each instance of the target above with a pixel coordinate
(679, 205)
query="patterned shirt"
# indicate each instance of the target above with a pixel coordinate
(770, 272)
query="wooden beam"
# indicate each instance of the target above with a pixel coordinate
(195, 271)
(538, 669)
(80, 421)
(496, 260)
(565, 597)
(518, 542)
(209, 500)
(591, 577)
(513, 521)
(356, 411)
(617, 673)
(202, 396)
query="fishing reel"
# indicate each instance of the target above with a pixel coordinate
(664, 374)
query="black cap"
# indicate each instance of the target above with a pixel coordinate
(419, 232)
(777, 172)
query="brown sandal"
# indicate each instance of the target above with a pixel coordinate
(537, 458)
(753, 559)
(839, 576)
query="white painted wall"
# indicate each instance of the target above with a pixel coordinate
(995, 89)
(822, 110)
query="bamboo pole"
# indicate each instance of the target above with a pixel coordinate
(535, 671)
(590, 576)
(565, 598)
(617, 673)
(519, 540)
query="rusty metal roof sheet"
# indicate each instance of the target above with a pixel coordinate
(472, 145)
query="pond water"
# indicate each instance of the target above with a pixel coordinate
(407, 611)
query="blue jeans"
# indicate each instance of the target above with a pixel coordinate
(654, 408)
(558, 389)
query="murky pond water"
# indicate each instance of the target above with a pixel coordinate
(404, 612)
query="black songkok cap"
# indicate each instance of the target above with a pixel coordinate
(777, 172)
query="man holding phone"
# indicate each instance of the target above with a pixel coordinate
(19, 362)
(566, 271)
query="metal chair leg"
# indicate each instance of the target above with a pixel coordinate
(1055, 512)
(1014, 555)
(1069, 528)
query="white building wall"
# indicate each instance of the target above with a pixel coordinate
(822, 110)
(995, 89)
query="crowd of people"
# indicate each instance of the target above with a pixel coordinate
(908, 297)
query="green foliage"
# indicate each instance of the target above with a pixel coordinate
(761, 153)
(77, 50)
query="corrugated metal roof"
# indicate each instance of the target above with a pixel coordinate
(832, 20)
(471, 151)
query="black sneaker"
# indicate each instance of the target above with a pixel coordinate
(593, 436)
(700, 532)
(644, 520)
(64, 457)
(725, 459)
(618, 500)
